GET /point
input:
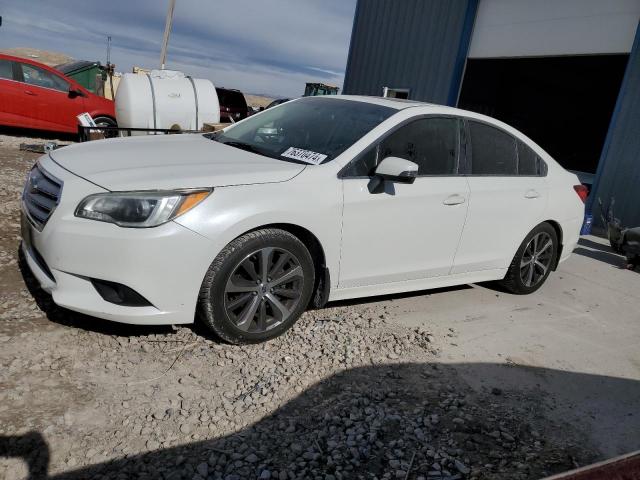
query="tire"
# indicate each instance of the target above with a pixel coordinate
(519, 272)
(614, 234)
(236, 280)
(106, 122)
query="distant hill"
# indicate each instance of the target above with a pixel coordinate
(42, 56)
(258, 100)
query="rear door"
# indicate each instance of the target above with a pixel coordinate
(408, 231)
(47, 95)
(508, 197)
(12, 108)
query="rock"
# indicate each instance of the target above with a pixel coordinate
(251, 458)
(461, 467)
(203, 469)
(507, 436)
(152, 444)
(265, 475)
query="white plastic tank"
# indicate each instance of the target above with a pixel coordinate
(165, 99)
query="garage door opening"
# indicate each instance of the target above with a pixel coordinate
(563, 103)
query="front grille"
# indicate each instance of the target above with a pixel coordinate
(41, 195)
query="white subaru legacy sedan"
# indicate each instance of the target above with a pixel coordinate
(318, 199)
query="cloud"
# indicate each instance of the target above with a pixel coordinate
(267, 46)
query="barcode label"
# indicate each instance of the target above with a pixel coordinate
(307, 156)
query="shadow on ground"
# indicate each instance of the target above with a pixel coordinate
(601, 252)
(28, 133)
(397, 419)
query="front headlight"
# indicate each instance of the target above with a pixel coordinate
(139, 209)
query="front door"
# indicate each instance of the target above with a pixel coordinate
(48, 94)
(407, 231)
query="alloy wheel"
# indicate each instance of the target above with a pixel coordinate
(264, 289)
(536, 259)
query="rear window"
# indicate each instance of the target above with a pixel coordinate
(528, 162)
(493, 152)
(231, 98)
(6, 69)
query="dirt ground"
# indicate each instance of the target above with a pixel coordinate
(348, 393)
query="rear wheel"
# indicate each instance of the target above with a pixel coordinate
(533, 261)
(257, 287)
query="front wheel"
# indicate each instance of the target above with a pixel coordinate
(533, 261)
(257, 286)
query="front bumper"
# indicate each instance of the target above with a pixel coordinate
(165, 264)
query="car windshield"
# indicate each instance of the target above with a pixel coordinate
(310, 130)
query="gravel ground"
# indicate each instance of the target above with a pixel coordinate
(345, 394)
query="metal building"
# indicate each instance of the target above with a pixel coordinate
(565, 72)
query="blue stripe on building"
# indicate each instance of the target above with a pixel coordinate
(411, 44)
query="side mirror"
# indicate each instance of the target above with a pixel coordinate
(397, 170)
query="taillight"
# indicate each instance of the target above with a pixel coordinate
(582, 191)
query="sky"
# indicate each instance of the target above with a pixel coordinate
(258, 46)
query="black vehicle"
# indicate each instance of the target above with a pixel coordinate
(279, 101)
(233, 106)
(625, 241)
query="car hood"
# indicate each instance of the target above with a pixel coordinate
(169, 162)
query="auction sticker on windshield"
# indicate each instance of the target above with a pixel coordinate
(307, 156)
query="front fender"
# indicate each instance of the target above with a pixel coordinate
(232, 211)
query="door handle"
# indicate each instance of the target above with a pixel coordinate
(454, 199)
(29, 92)
(531, 194)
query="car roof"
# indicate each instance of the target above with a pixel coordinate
(427, 108)
(34, 62)
(403, 104)
(395, 103)
(13, 58)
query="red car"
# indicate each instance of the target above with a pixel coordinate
(233, 106)
(33, 95)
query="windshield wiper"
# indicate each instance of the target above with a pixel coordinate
(243, 146)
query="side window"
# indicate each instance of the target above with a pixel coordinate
(6, 69)
(528, 162)
(493, 152)
(42, 78)
(432, 143)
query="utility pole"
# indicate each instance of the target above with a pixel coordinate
(167, 32)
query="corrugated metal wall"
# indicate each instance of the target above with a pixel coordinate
(413, 44)
(619, 168)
